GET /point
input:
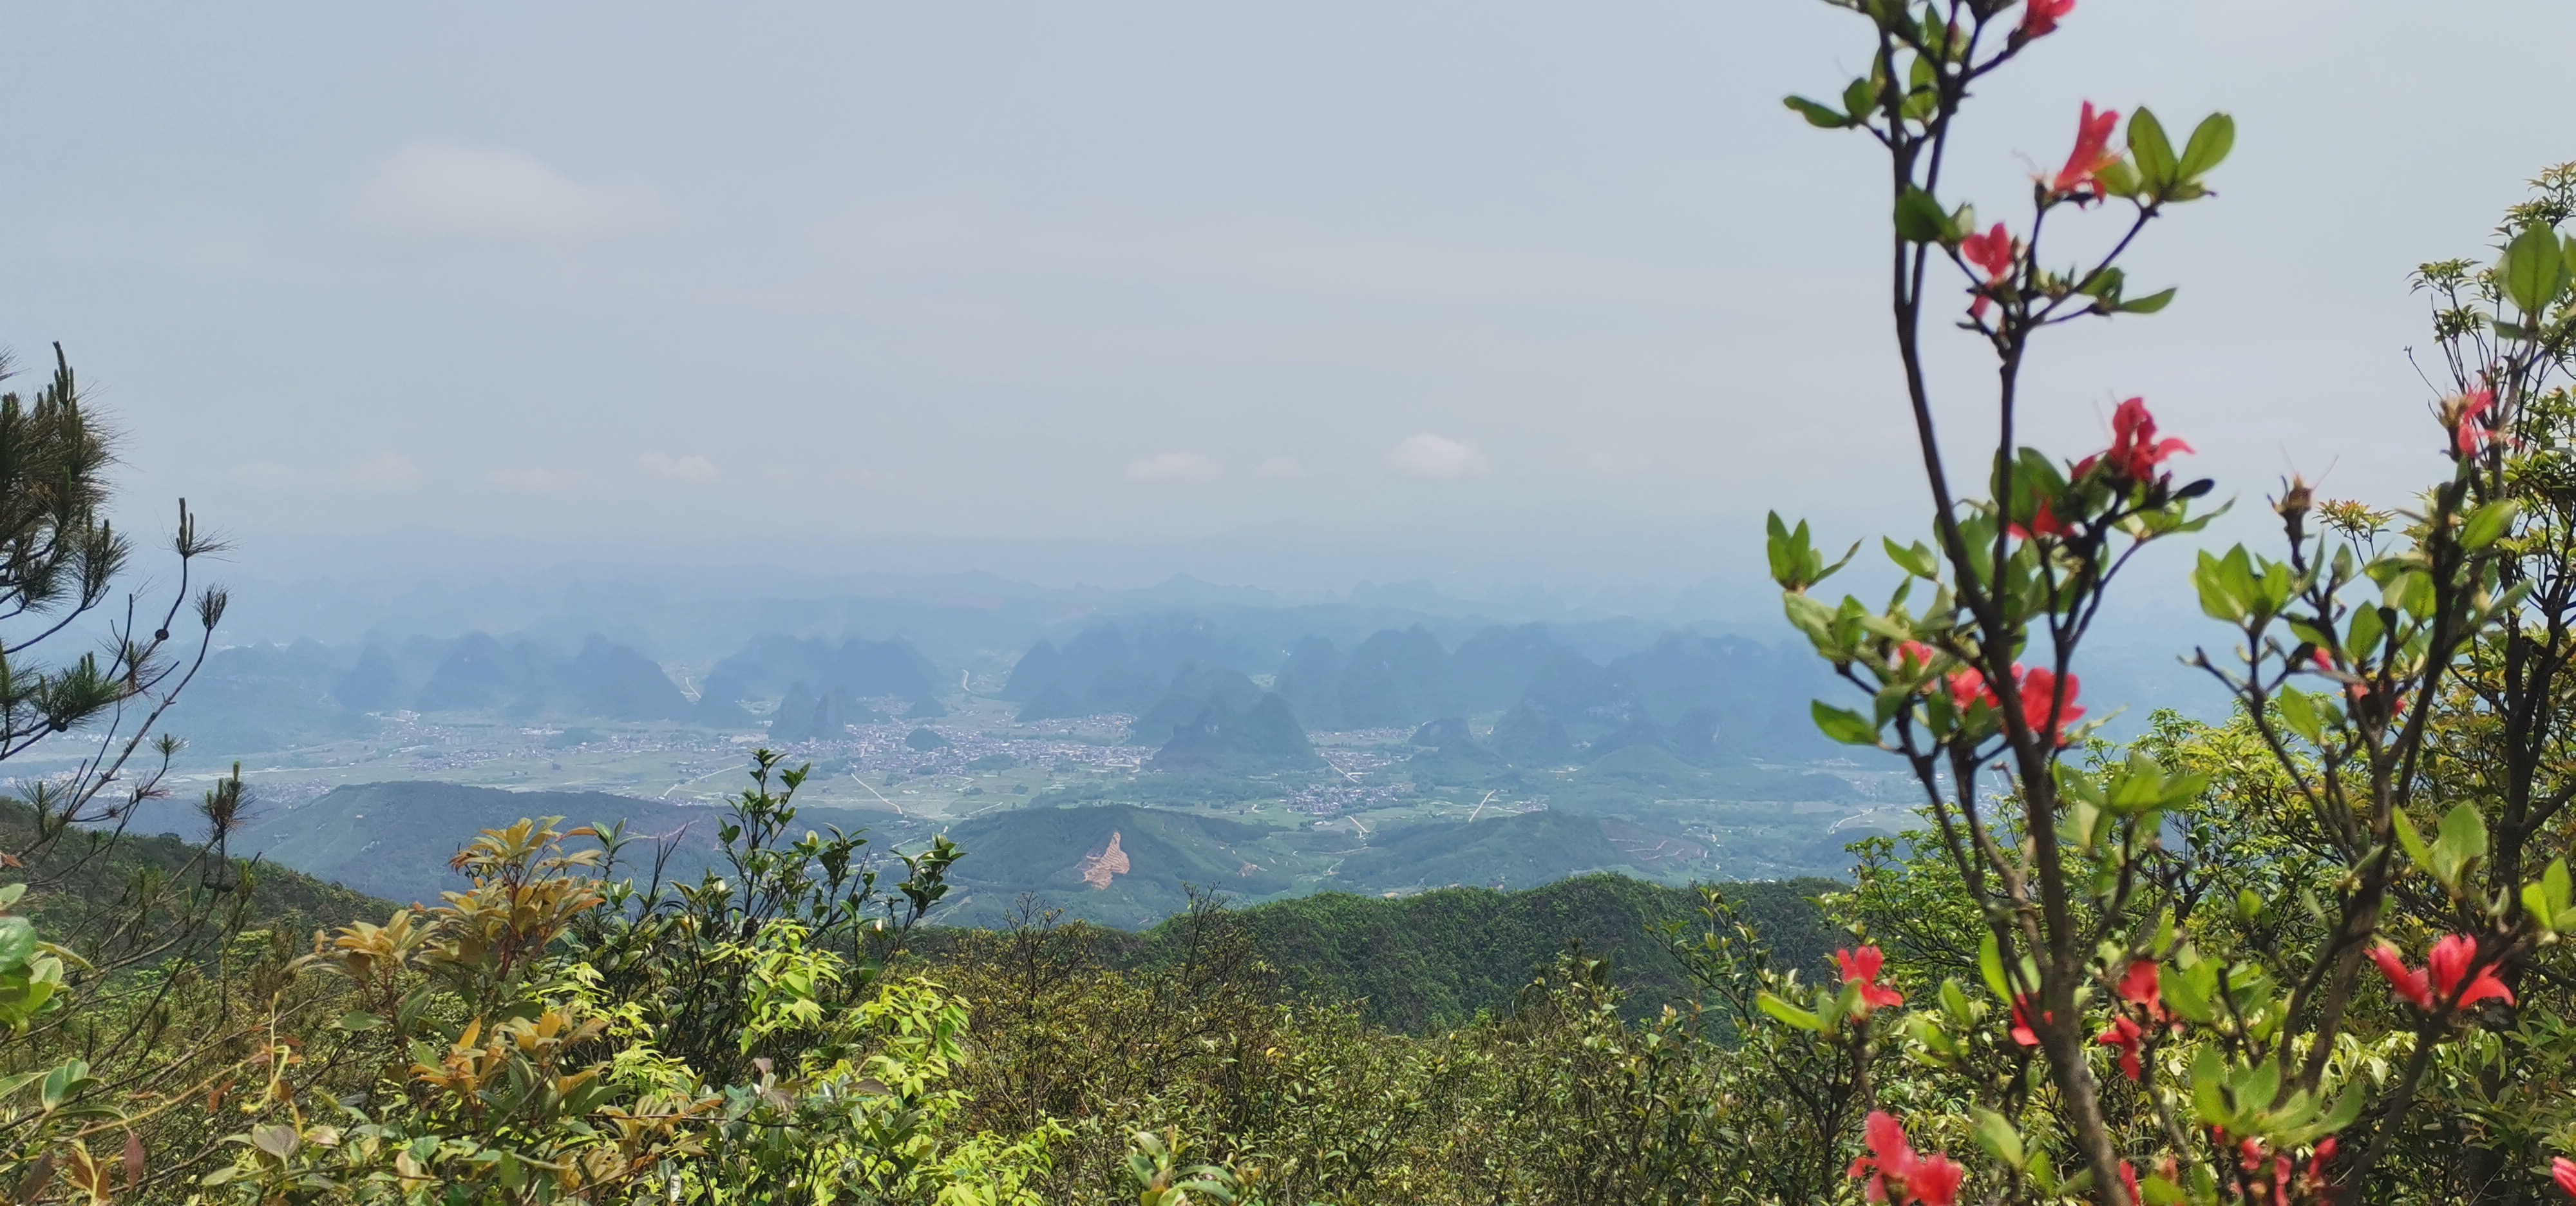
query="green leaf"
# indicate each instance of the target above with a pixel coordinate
(1995, 1133)
(2210, 142)
(2362, 638)
(2537, 906)
(2188, 989)
(2346, 1110)
(1860, 97)
(1920, 219)
(359, 1019)
(2463, 840)
(2487, 523)
(1916, 559)
(1820, 116)
(2208, 1095)
(17, 942)
(2118, 178)
(2218, 599)
(2299, 711)
(2148, 304)
(1990, 965)
(2258, 1084)
(2154, 153)
(1788, 1013)
(2534, 269)
(1810, 616)
(1843, 725)
(2411, 841)
(1788, 551)
(63, 1082)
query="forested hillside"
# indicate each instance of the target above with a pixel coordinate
(1422, 963)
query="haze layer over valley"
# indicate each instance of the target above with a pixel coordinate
(1099, 749)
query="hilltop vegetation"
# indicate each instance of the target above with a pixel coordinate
(1431, 961)
(1048, 852)
(91, 874)
(394, 840)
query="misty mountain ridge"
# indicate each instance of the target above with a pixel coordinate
(1700, 696)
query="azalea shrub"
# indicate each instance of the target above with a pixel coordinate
(2290, 959)
(521, 1054)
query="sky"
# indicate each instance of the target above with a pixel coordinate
(1273, 293)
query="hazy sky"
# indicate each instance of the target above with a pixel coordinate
(1554, 290)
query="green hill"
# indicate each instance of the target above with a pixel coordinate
(88, 870)
(1115, 864)
(1515, 851)
(1651, 767)
(1225, 740)
(1421, 963)
(394, 839)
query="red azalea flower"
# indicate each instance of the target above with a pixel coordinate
(2443, 976)
(1861, 967)
(2140, 988)
(1968, 689)
(2135, 451)
(2092, 152)
(2043, 522)
(2021, 1031)
(2129, 1172)
(2406, 982)
(2127, 1035)
(2316, 1173)
(1890, 1160)
(2563, 1171)
(2039, 693)
(2358, 691)
(2449, 964)
(2039, 18)
(2470, 434)
(1991, 253)
(1914, 655)
(1936, 1181)
(1899, 1176)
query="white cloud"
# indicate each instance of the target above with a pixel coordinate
(538, 480)
(1175, 467)
(1435, 458)
(383, 473)
(448, 188)
(1281, 466)
(691, 468)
